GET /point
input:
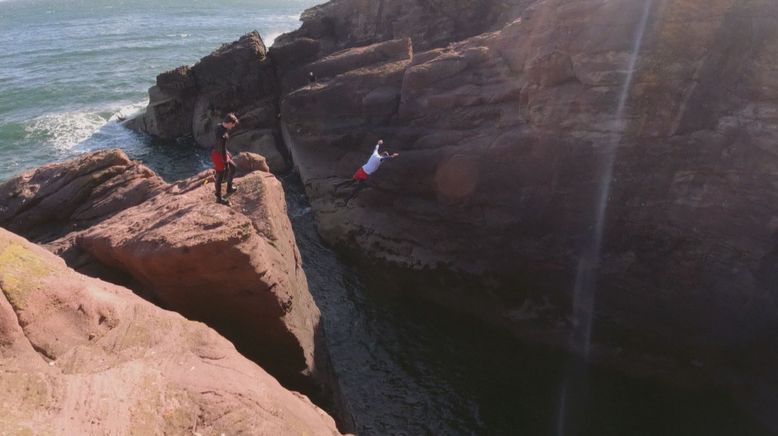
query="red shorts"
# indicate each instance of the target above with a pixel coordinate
(359, 175)
(218, 162)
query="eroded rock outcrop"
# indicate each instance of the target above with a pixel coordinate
(53, 200)
(238, 268)
(81, 356)
(188, 102)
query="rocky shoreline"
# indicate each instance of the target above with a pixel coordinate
(504, 114)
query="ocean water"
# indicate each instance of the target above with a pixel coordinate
(71, 68)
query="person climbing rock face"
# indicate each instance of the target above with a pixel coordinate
(371, 166)
(222, 159)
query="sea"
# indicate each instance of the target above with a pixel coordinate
(71, 69)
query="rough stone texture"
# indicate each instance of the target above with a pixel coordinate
(347, 60)
(169, 113)
(81, 356)
(238, 269)
(341, 24)
(53, 200)
(190, 102)
(262, 142)
(503, 137)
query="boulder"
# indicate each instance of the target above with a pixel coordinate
(169, 112)
(82, 356)
(51, 201)
(189, 102)
(237, 269)
(342, 24)
(262, 142)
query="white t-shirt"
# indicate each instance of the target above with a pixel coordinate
(374, 162)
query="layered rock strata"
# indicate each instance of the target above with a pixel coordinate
(236, 268)
(82, 356)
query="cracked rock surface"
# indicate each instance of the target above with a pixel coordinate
(235, 268)
(82, 356)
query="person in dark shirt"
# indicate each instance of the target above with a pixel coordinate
(311, 78)
(222, 159)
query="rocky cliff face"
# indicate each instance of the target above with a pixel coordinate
(508, 115)
(504, 138)
(81, 356)
(190, 101)
(236, 268)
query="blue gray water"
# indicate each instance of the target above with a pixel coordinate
(71, 68)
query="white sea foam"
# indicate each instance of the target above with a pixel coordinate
(64, 130)
(130, 110)
(270, 38)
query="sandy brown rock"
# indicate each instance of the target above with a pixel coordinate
(236, 268)
(81, 356)
(53, 200)
(341, 24)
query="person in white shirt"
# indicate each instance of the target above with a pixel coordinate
(371, 166)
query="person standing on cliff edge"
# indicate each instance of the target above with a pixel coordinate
(222, 159)
(371, 166)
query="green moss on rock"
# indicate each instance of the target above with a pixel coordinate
(21, 271)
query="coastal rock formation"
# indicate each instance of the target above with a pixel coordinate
(504, 141)
(237, 268)
(82, 356)
(342, 24)
(517, 122)
(53, 200)
(188, 102)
